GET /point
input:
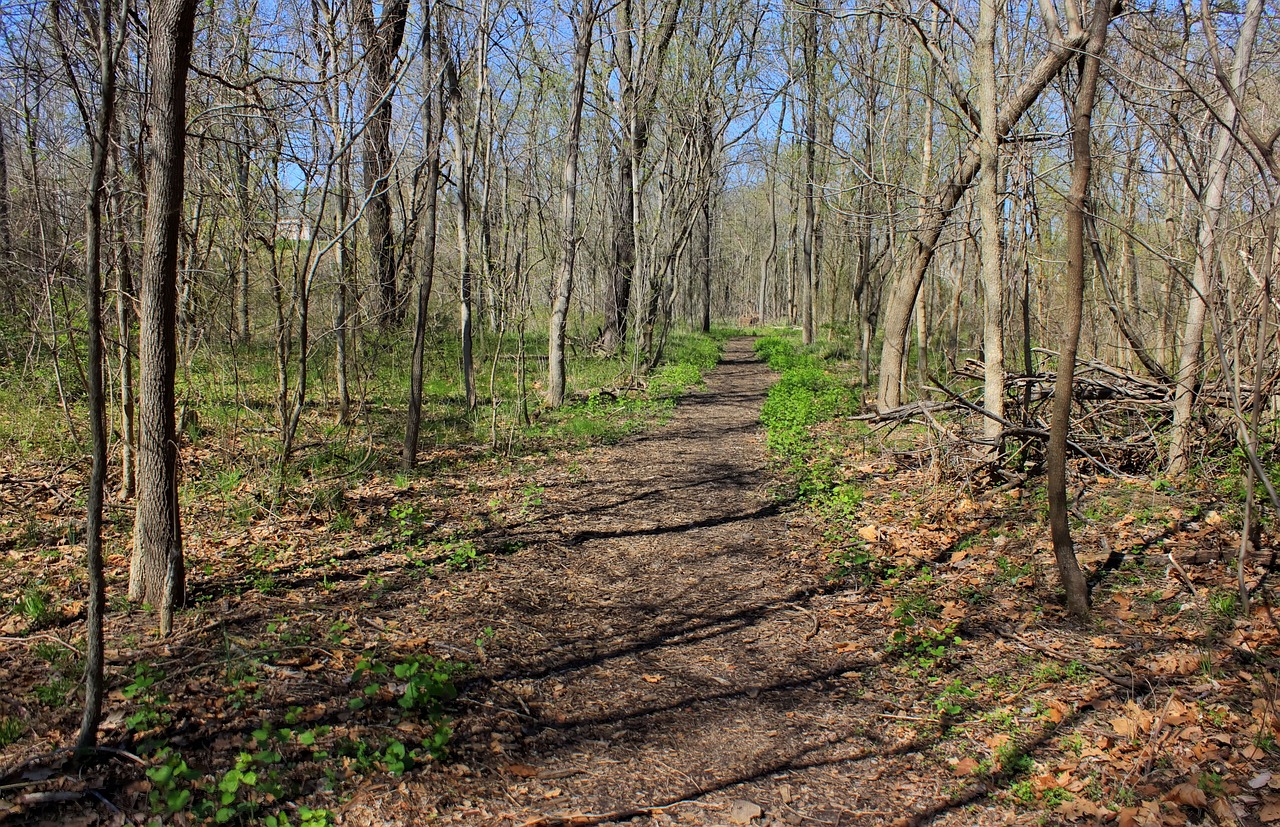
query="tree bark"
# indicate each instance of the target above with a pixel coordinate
(584, 28)
(809, 39)
(382, 38)
(988, 198)
(99, 133)
(1211, 202)
(638, 85)
(943, 201)
(6, 231)
(158, 575)
(433, 129)
(1073, 581)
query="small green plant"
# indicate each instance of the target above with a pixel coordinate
(1011, 760)
(170, 782)
(1013, 573)
(461, 555)
(950, 701)
(1213, 784)
(1073, 744)
(146, 693)
(531, 497)
(1022, 792)
(11, 729)
(857, 563)
(428, 681)
(1224, 604)
(338, 630)
(228, 480)
(307, 817)
(34, 607)
(925, 645)
(425, 684)
(55, 691)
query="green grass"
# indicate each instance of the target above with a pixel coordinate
(233, 396)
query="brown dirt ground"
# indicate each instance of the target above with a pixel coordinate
(661, 650)
(657, 636)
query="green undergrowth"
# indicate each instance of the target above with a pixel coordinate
(806, 395)
(605, 412)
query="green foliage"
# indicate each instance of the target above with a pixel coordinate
(33, 605)
(307, 817)
(11, 729)
(673, 380)
(952, 697)
(461, 555)
(1224, 604)
(425, 684)
(144, 690)
(805, 395)
(243, 794)
(171, 788)
(1012, 572)
(858, 563)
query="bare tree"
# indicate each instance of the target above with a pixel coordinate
(639, 63)
(946, 195)
(433, 131)
(583, 37)
(1077, 206)
(157, 574)
(382, 37)
(988, 198)
(1212, 197)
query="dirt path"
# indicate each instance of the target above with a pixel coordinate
(659, 644)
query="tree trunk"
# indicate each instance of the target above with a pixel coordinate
(807, 275)
(99, 133)
(6, 231)
(466, 360)
(1077, 203)
(902, 295)
(1211, 201)
(158, 575)
(382, 39)
(988, 198)
(638, 86)
(124, 333)
(433, 129)
(584, 27)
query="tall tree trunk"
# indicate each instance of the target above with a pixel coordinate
(1077, 204)
(244, 253)
(467, 359)
(902, 295)
(1202, 276)
(584, 26)
(988, 197)
(433, 130)
(704, 263)
(808, 277)
(640, 69)
(6, 229)
(158, 575)
(382, 38)
(99, 133)
(124, 334)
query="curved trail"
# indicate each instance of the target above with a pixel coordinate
(659, 651)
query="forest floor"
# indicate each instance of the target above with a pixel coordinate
(656, 631)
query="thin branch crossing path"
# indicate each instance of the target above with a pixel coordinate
(660, 652)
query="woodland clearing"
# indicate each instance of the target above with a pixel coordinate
(676, 628)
